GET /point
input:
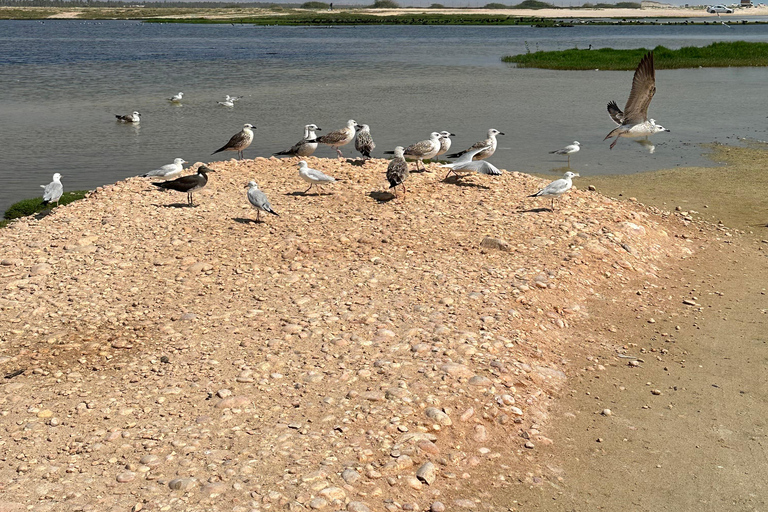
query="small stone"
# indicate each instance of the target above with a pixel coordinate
(333, 493)
(495, 243)
(413, 482)
(357, 506)
(656, 392)
(214, 489)
(606, 412)
(45, 413)
(318, 504)
(182, 484)
(125, 477)
(529, 445)
(437, 507)
(350, 476)
(427, 473)
(439, 416)
(464, 503)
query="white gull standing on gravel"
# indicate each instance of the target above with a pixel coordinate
(53, 190)
(167, 171)
(258, 200)
(313, 176)
(557, 187)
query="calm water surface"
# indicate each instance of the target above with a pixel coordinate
(61, 82)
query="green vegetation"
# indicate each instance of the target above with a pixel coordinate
(437, 6)
(385, 4)
(716, 55)
(533, 4)
(32, 206)
(315, 5)
(618, 5)
(495, 6)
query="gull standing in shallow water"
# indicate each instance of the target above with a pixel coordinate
(167, 171)
(53, 190)
(303, 148)
(567, 150)
(313, 176)
(339, 137)
(363, 141)
(176, 98)
(258, 200)
(634, 122)
(239, 141)
(557, 187)
(465, 163)
(489, 144)
(397, 170)
(187, 184)
(135, 117)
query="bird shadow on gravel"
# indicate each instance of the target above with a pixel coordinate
(175, 205)
(381, 196)
(299, 193)
(241, 220)
(534, 210)
(458, 181)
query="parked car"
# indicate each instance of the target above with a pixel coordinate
(719, 9)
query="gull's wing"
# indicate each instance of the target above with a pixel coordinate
(420, 148)
(643, 89)
(485, 167)
(316, 175)
(397, 171)
(333, 137)
(467, 156)
(555, 188)
(259, 199)
(52, 191)
(615, 112)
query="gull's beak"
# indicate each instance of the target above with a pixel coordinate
(666, 130)
(502, 133)
(577, 175)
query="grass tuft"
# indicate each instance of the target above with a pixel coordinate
(716, 55)
(35, 205)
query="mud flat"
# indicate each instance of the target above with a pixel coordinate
(354, 353)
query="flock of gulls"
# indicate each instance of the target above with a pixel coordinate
(633, 121)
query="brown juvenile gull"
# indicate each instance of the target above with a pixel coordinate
(339, 137)
(423, 150)
(303, 148)
(489, 144)
(397, 170)
(567, 150)
(258, 200)
(557, 187)
(363, 141)
(53, 190)
(239, 141)
(634, 122)
(187, 184)
(135, 117)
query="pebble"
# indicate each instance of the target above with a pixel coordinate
(182, 484)
(333, 493)
(125, 477)
(350, 476)
(439, 416)
(427, 473)
(357, 506)
(606, 412)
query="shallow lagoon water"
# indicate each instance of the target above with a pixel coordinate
(63, 81)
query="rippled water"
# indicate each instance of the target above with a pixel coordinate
(63, 81)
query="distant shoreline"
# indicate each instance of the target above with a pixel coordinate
(309, 17)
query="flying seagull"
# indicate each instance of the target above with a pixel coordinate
(303, 148)
(167, 171)
(135, 117)
(363, 141)
(258, 200)
(339, 137)
(567, 150)
(313, 176)
(557, 187)
(397, 170)
(489, 144)
(634, 122)
(176, 98)
(239, 141)
(465, 163)
(187, 184)
(53, 190)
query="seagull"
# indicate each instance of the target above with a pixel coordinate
(258, 200)
(135, 117)
(187, 184)
(557, 187)
(489, 144)
(228, 102)
(303, 148)
(445, 142)
(465, 163)
(167, 171)
(339, 137)
(53, 190)
(313, 176)
(239, 141)
(423, 150)
(397, 170)
(363, 141)
(567, 150)
(176, 98)
(634, 122)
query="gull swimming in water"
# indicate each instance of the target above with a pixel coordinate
(228, 102)
(303, 148)
(313, 176)
(567, 150)
(489, 144)
(187, 184)
(445, 142)
(176, 98)
(397, 170)
(465, 163)
(339, 137)
(53, 190)
(557, 187)
(258, 200)
(239, 141)
(135, 117)
(634, 122)
(167, 171)
(423, 150)
(363, 141)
